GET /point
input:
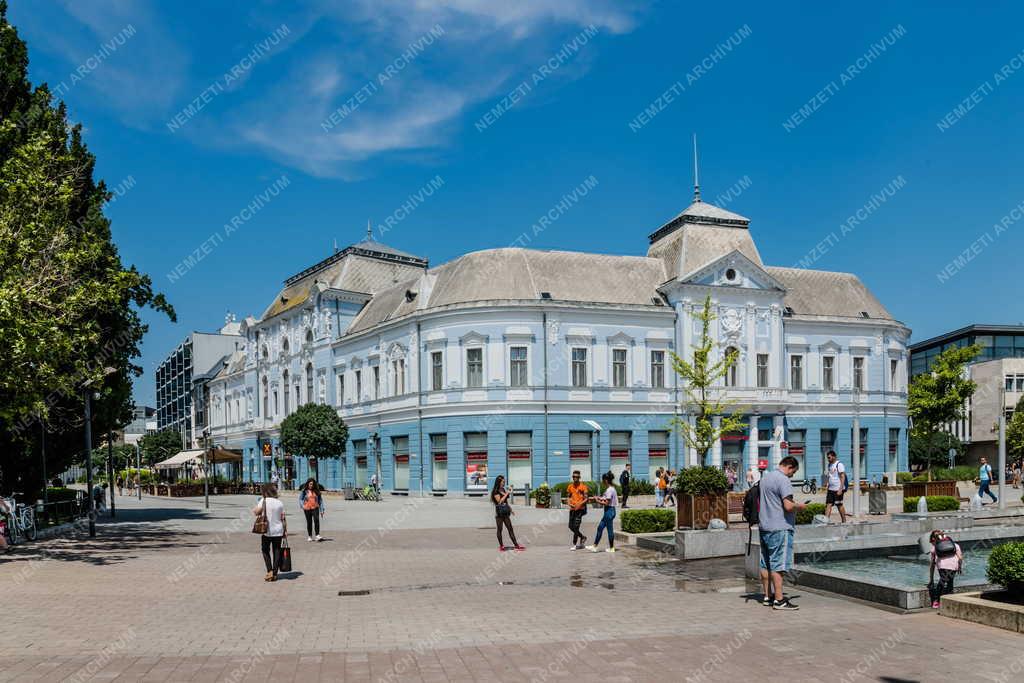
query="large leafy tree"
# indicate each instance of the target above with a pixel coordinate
(1015, 432)
(69, 308)
(315, 431)
(704, 398)
(159, 446)
(937, 398)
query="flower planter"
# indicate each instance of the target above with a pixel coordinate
(916, 489)
(696, 512)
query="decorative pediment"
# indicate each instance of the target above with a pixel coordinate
(620, 339)
(473, 339)
(733, 270)
(396, 351)
(831, 346)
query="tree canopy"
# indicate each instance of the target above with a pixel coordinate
(937, 398)
(314, 430)
(1015, 432)
(69, 308)
(704, 398)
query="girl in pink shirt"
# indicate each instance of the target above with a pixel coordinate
(948, 559)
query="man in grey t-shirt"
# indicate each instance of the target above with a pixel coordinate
(776, 526)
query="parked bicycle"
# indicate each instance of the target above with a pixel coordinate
(21, 522)
(810, 486)
(368, 493)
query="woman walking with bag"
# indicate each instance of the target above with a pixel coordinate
(312, 504)
(610, 500)
(503, 513)
(273, 528)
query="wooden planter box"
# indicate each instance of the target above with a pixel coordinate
(696, 512)
(929, 488)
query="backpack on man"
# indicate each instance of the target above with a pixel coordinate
(752, 510)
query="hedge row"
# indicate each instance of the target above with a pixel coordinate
(1006, 566)
(648, 521)
(935, 503)
(806, 516)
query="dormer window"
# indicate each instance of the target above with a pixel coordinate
(730, 275)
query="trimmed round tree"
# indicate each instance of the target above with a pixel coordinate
(315, 431)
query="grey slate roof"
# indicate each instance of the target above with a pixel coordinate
(819, 292)
(514, 274)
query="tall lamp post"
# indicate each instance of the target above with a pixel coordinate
(1002, 448)
(206, 468)
(856, 453)
(87, 394)
(110, 470)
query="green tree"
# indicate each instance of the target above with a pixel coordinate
(704, 398)
(69, 308)
(315, 431)
(1015, 432)
(159, 446)
(934, 448)
(937, 398)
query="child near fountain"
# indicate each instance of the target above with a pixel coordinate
(947, 557)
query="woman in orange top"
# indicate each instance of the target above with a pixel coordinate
(312, 504)
(578, 494)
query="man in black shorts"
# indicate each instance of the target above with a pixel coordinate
(836, 487)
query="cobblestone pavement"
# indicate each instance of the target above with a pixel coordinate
(173, 593)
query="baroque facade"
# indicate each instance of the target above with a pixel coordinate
(533, 363)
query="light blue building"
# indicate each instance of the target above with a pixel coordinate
(534, 363)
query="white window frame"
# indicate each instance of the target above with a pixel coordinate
(624, 350)
(831, 384)
(339, 386)
(801, 367)
(657, 368)
(894, 374)
(731, 378)
(483, 367)
(758, 367)
(586, 367)
(863, 373)
(375, 369)
(436, 381)
(525, 362)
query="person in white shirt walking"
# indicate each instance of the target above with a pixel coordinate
(836, 487)
(276, 529)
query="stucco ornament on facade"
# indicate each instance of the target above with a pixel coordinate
(732, 324)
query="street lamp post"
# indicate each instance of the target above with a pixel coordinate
(138, 469)
(1002, 448)
(856, 453)
(88, 463)
(206, 469)
(42, 446)
(110, 471)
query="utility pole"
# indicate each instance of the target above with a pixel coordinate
(138, 469)
(206, 469)
(46, 483)
(88, 462)
(856, 454)
(1002, 448)
(110, 471)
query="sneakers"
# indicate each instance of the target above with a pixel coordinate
(319, 538)
(784, 605)
(610, 550)
(766, 601)
(591, 548)
(309, 539)
(502, 548)
(935, 604)
(520, 548)
(579, 547)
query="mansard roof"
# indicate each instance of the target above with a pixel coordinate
(514, 274)
(824, 293)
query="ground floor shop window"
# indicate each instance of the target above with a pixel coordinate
(400, 449)
(621, 447)
(580, 447)
(797, 449)
(863, 452)
(476, 461)
(657, 453)
(439, 457)
(894, 449)
(359, 450)
(520, 451)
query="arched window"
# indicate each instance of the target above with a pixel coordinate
(309, 336)
(732, 372)
(284, 347)
(284, 381)
(266, 352)
(309, 383)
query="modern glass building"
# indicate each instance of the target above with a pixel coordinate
(997, 342)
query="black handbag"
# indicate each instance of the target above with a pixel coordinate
(503, 510)
(284, 559)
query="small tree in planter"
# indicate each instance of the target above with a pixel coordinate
(703, 496)
(703, 398)
(543, 496)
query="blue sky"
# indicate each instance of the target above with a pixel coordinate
(880, 86)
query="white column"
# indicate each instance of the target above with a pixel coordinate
(777, 437)
(753, 446)
(751, 379)
(716, 449)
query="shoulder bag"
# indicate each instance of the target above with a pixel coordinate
(262, 524)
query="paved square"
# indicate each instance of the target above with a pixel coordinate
(170, 592)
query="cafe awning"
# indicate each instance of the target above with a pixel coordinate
(182, 458)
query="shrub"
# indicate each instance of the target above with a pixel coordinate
(648, 521)
(641, 487)
(806, 516)
(935, 503)
(701, 480)
(56, 495)
(543, 496)
(959, 473)
(904, 477)
(920, 478)
(1006, 566)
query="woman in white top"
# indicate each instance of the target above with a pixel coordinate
(277, 529)
(610, 500)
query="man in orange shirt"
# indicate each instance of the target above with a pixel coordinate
(578, 494)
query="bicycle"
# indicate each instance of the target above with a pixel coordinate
(810, 486)
(368, 492)
(21, 522)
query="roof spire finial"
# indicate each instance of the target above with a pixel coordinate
(369, 231)
(696, 172)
